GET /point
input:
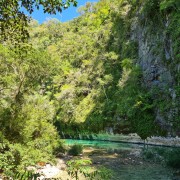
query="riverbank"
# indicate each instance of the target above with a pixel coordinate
(124, 165)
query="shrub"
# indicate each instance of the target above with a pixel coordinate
(173, 158)
(60, 148)
(160, 151)
(83, 167)
(76, 149)
(170, 157)
(148, 154)
(15, 158)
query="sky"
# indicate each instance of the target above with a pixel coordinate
(66, 15)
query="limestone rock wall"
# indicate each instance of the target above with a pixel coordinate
(155, 56)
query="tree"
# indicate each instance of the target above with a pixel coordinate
(14, 22)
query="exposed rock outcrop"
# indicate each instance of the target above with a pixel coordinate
(157, 61)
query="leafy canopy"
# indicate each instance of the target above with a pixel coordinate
(14, 22)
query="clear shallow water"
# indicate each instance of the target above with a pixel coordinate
(103, 144)
(108, 144)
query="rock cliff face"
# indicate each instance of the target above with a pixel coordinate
(151, 49)
(157, 61)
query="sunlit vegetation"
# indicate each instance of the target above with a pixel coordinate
(81, 76)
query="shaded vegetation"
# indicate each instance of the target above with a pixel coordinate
(81, 76)
(76, 149)
(169, 157)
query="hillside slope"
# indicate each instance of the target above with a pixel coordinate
(116, 67)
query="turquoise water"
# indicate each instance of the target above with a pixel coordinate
(103, 144)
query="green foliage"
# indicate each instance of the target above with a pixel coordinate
(76, 150)
(81, 76)
(169, 5)
(150, 7)
(127, 64)
(26, 115)
(84, 109)
(83, 167)
(26, 175)
(76, 167)
(15, 158)
(59, 148)
(14, 22)
(173, 158)
(148, 154)
(135, 103)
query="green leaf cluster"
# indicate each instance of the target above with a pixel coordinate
(14, 22)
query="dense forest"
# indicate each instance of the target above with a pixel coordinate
(114, 68)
